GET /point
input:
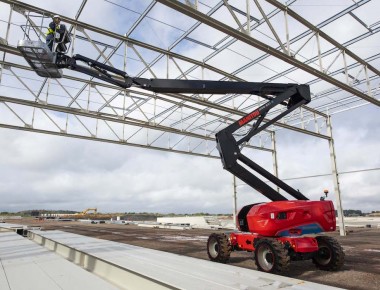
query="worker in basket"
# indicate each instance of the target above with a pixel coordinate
(58, 34)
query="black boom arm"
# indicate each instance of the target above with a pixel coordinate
(290, 95)
(230, 152)
(120, 78)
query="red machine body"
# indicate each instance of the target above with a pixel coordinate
(246, 242)
(287, 218)
(287, 221)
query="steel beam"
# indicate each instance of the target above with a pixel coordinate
(303, 21)
(326, 53)
(182, 97)
(114, 119)
(120, 37)
(101, 116)
(111, 34)
(274, 158)
(176, 5)
(338, 199)
(90, 138)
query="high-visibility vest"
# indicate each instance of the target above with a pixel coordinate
(51, 30)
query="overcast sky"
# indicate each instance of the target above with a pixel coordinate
(43, 171)
(48, 172)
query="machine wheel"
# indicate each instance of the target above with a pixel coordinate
(271, 256)
(330, 255)
(218, 248)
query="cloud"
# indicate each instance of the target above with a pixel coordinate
(56, 171)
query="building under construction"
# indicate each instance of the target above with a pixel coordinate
(216, 80)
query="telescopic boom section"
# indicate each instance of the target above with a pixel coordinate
(120, 78)
(290, 95)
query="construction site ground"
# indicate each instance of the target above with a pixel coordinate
(361, 246)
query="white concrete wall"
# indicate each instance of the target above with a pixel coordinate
(192, 220)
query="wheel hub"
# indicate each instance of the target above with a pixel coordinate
(265, 258)
(324, 255)
(213, 248)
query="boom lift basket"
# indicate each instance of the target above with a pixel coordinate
(40, 58)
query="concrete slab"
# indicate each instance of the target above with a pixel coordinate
(11, 226)
(26, 265)
(159, 269)
(362, 221)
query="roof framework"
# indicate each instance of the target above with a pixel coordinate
(252, 40)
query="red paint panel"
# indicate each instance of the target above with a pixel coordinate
(268, 219)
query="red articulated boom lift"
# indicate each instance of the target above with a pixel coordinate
(275, 232)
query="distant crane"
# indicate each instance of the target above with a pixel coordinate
(86, 211)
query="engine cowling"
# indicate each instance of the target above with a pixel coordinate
(287, 218)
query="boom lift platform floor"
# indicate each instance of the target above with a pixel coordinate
(40, 58)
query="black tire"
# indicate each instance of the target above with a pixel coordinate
(330, 255)
(271, 256)
(218, 248)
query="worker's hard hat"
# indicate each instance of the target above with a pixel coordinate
(56, 16)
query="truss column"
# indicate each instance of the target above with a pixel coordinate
(248, 30)
(88, 95)
(234, 200)
(274, 157)
(342, 228)
(47, 89)
(319, 53)
(368, 81)
(73, 40)
(124, 91)
(6, 39)
(287, 32)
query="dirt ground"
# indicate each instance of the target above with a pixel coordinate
(362, 248)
